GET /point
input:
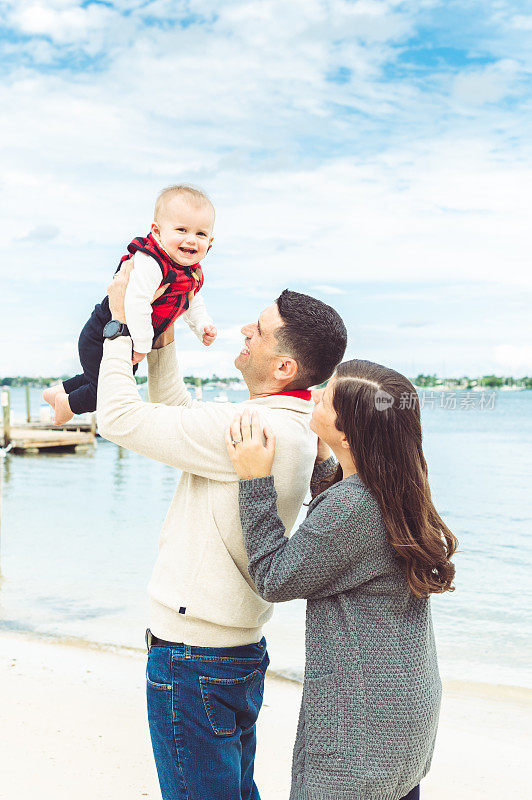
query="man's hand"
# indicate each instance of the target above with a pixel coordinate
(137, 357)
(160, 291)
(165, 338)
(117, 290)
(209, 335)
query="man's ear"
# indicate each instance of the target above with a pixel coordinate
(287, 369)
(155, 230)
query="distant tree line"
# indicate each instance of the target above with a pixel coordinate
(424, 381)
(24, 380)
(489, 381)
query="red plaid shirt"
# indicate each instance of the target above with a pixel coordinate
(179, 280)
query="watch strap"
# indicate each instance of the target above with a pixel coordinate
(113, 329)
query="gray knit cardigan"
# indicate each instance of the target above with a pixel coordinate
(372, 690)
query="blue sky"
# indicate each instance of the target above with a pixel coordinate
(375, 153)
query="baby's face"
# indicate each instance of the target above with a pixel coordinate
(185, 229)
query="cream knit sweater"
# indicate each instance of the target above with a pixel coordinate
(200, 591)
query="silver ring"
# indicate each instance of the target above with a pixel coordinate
(236, 441)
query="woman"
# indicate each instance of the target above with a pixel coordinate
(371, 551)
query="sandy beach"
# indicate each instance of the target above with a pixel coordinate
(74, 725)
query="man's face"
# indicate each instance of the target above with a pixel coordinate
(257, 359)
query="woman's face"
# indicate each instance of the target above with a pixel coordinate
(324, 416)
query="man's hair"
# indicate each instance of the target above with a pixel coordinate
(313, 333)
(191, 193)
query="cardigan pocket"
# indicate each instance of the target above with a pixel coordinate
(320, 698)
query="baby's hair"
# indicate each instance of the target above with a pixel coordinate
(196, 196)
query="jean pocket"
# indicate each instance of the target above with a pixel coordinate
(158, 670)
(232, 703)
(320, 698)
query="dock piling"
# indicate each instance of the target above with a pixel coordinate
(3, 453)
(6, 416)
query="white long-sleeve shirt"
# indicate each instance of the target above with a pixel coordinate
(144, 281)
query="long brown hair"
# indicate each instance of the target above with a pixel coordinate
(378, 411)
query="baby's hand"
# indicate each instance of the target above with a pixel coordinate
(137, 357)
(209, 335)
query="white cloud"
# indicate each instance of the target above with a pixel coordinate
(408, 176)
(65, 22)
(41, 234)
(326, 289)
(522, 22)
(514, 359)
(205, 364)
(60, 359)
(232, 334)
(490, 84)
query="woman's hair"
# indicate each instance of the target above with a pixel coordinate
(378, 411)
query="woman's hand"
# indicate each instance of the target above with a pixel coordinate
(324, 451)
(250, 456)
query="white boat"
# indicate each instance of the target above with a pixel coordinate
(221, 397)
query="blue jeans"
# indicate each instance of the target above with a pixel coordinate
(203, 703)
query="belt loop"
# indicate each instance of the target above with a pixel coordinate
(187, 651)
(148, 638)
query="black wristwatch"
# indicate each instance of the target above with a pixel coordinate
(113, 329)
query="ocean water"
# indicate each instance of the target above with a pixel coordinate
(80, 530)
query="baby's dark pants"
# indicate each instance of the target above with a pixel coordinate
(83, 388)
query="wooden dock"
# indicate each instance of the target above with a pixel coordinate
(36, 436)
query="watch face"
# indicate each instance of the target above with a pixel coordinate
(112, 329)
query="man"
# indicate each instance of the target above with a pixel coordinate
(207, 656)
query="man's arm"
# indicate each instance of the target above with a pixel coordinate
(188, 438)
(165, 384)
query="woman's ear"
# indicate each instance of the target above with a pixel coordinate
(344, 443)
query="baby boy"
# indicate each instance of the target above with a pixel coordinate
(163, 286)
